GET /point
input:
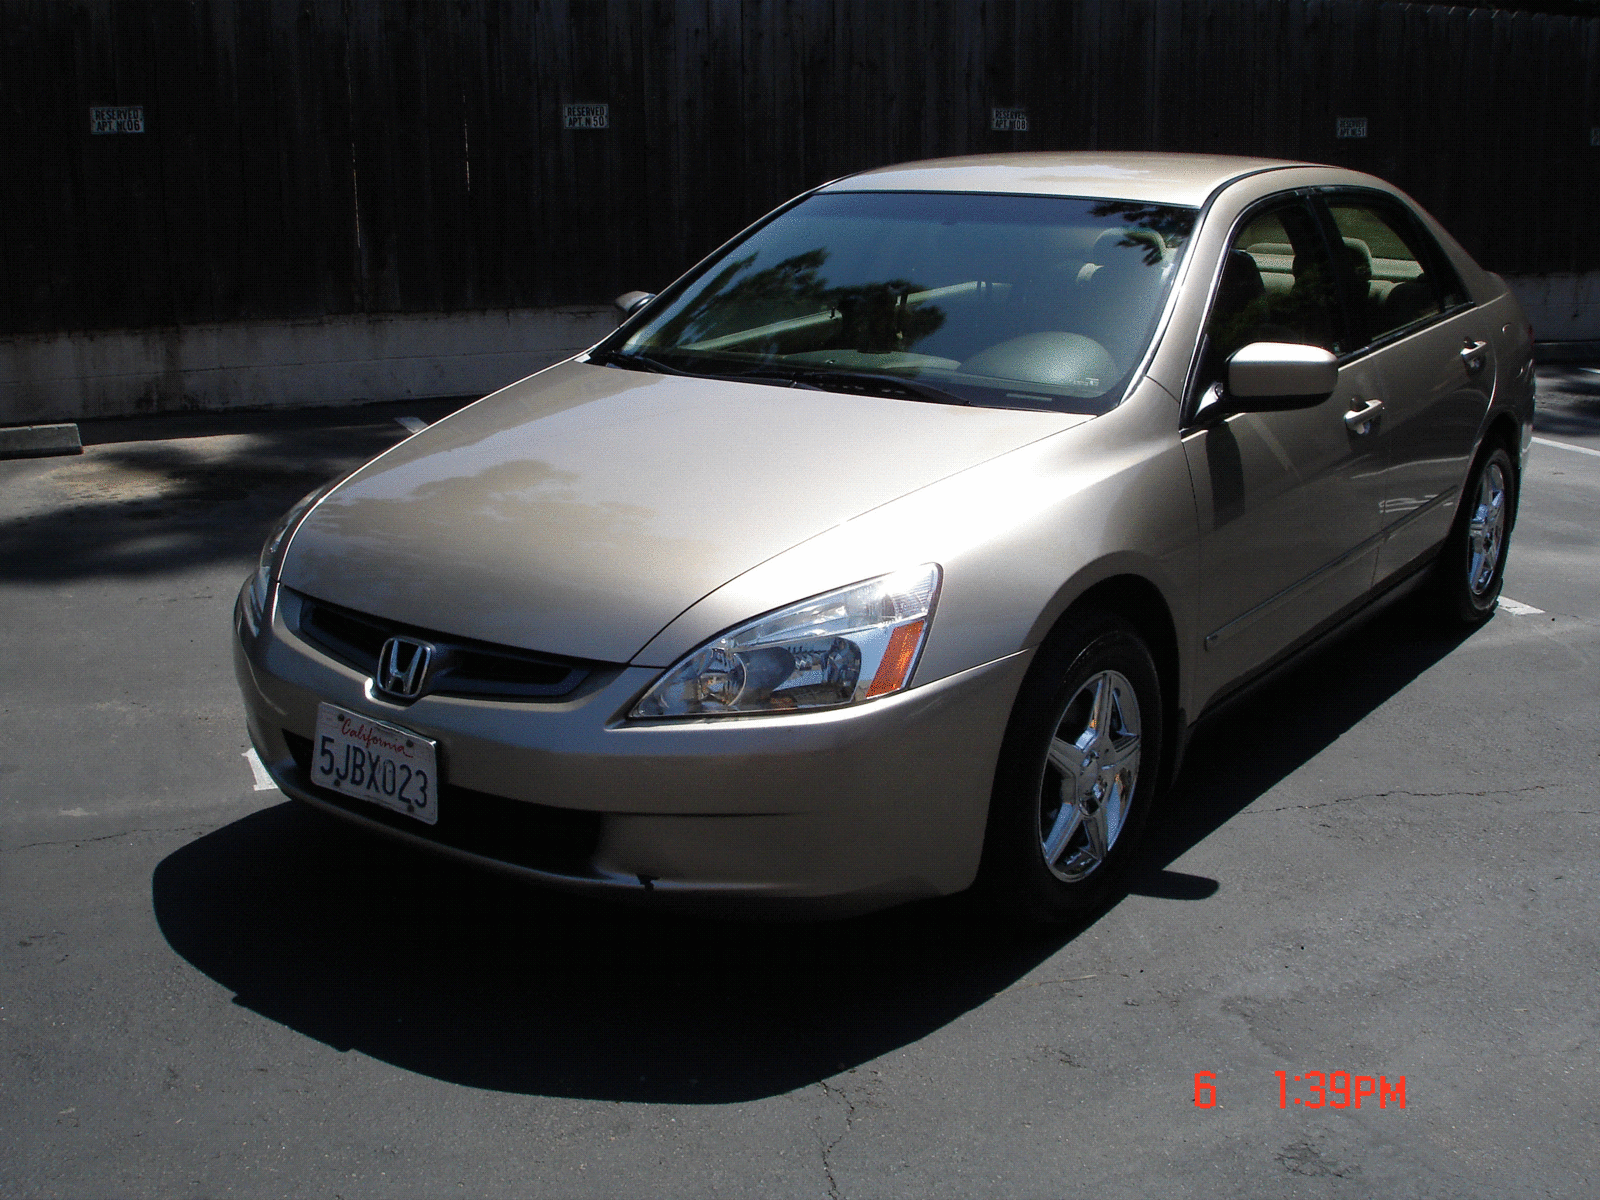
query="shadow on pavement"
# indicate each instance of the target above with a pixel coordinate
(1245, 751)
(156, 508)
(158, 495)
(1569, 402)
(172, 426)
(467, 977)
(480, 981)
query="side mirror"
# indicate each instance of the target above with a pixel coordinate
(1267, 376)
(629, 302)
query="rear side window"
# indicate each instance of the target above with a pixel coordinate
(1395, 276)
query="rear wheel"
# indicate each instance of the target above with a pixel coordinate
(1472, 564)
(1078, 766)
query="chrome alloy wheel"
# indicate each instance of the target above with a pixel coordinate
(1089, 775)
(1486, 529)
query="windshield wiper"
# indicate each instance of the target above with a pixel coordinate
(634, 362)
(864, 383)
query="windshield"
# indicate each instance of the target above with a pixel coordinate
(1017, 301)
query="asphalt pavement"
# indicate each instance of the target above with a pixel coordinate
(1381, 867)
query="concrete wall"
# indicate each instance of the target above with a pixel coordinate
(271, 364)
(1561, 308)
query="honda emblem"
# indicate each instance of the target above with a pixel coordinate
(403, 667)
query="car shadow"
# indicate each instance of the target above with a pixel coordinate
(475, 979)
(468, 977)
(1279, 727)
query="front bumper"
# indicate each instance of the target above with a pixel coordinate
(833, 811)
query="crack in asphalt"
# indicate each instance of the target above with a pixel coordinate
(828, 1147)
(1024, 986)
(1538, 787)
(107, 837)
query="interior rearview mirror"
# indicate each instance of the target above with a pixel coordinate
(1275, 375)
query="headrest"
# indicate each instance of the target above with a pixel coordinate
(1357, 257)
(1241, 282)
(1118, 243)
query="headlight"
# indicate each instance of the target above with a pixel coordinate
(272, 549)
(839, 648)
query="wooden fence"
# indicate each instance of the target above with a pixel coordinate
(298, 158)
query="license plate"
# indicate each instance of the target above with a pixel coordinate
(376, 761)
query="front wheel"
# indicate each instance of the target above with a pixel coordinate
(1077, 770)
(1473, 562)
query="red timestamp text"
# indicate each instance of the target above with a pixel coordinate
(1323, 1089)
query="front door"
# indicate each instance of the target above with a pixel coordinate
(1287, 501)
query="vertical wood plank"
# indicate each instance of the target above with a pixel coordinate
(1565, 134)
(1586, 173)
(1168, 71)
(1524, 51)
(47, 261)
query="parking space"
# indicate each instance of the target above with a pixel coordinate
(1382, 865)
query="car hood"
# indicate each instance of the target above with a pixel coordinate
(579, 511)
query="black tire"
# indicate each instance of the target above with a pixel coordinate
(1472, 563)
(1089, 656)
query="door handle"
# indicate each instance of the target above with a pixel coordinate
(1361, 420)
(1472, 355)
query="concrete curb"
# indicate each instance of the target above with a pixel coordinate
(35, 441)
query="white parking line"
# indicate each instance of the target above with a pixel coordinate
(1567, 446)
(263, 780)
(417, 424)
(1518, 609)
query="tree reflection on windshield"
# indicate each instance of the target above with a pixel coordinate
(875, 318)
(781, 290)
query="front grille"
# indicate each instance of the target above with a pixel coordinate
(472, 668)
(559, 840)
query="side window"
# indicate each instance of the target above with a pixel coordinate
(1277, 286)
(1387, 260)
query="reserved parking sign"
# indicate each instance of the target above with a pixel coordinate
(109, 119)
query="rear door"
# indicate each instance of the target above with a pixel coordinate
(1288, 510)
(1434, 364)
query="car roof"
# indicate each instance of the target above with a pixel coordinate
(1186, 179)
